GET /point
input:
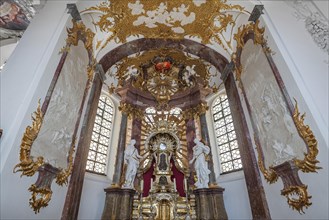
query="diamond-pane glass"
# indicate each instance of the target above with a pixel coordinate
(100, 139)
(226, 138)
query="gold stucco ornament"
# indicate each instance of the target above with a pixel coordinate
(294, 190)
(209, 21)
(28, 166)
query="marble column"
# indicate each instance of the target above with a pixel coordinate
(205, 138)
(120, 150)
(74, 191)
(257, 199)
(190, 136)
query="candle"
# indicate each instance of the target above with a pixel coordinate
(142, 185)
(151, 184)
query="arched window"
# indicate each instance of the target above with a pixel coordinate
(227, 144)
(98, 150)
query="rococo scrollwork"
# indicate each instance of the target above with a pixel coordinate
(308, 164)
(29, 165)
(207, 20)
(294, 190)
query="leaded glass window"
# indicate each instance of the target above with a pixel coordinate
(227, 144)
(97, 156)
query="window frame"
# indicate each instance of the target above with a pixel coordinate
(110, 137)
(234, 170)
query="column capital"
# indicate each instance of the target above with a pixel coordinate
(195, 111)
(131, 110)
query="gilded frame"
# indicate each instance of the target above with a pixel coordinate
(287, 170)
(28, 165)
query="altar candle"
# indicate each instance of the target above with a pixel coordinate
(151, 184)
(175, 185)
(142, 185)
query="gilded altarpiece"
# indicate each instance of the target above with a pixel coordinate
(284, 143)
(48, 145)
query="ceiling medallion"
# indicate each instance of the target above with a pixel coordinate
(210, 21)
(162, 72)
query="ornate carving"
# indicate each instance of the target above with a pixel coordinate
(299, 203)
(80, 32)
(162, 72)
(196, 111)
(41, 190)
(63, 175)
(208, 20)
(131, 111)
(308, 164)
(239, 37)
(27, 165)
(40, 197)
(269, 174)
(294, 190)
(315, 22)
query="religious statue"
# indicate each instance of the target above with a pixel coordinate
(200, 164)
(131, 159)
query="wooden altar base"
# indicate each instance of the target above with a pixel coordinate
(118, 204)
(210, 203)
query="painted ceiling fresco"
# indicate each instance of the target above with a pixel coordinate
(15, 16)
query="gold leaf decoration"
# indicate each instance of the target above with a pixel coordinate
(308, 164)
(207, 20)
(131, 110)
(269, 174)
(63, 175)
(297, 197)
(40, 197)
(27, 165)
(80, 32)
(239, 37)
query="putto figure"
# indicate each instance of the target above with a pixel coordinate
(200, 164)
(131, 159)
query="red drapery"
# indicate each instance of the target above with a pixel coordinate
(179, 176)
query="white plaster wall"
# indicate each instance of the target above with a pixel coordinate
(93, 196)
(6, 50)
(25, 79)
(236, 199)
(304, 59)
(305, 75)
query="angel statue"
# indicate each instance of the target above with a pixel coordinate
(131, 159)
(200, 164)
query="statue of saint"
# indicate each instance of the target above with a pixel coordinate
(200, 164)
(131, 159)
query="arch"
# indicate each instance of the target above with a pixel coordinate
(144, 44)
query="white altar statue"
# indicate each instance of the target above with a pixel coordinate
(200, 164)
(131, 159)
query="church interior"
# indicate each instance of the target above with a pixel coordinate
(164, 109)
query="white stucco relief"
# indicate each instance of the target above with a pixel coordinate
(278, 135)
(316, 23)
(161, 15)
(55, 136)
